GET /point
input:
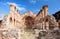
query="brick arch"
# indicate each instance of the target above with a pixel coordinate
(46, 19)
(29, 21)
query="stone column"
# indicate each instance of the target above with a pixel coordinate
(43, 23)
(47, 25)
(42, 13)
(45, 8)
(12, 12)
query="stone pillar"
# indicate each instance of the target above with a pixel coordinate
(47, 25)
(40, 16)
(12, 9)
(43, 23)
(15, 17)
(45, 8)
(42, 13)
(12, 12)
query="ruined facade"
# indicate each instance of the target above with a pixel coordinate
(17, 26)
(44, 20)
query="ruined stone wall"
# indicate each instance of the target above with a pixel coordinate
(27, 25)
(42, 17)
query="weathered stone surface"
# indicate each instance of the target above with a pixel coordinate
(28, 25)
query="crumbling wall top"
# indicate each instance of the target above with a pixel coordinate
(12, 5)
(45, 6)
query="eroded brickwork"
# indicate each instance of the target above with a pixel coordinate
(27, 25)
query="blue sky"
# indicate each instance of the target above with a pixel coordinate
(34, 5)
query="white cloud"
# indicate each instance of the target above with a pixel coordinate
(9, 3)
(19, 8)
(1, 16)
(33, 1)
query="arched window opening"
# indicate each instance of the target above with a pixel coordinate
(29, 21)
(10, 19)
(14, 20)
(46, 20)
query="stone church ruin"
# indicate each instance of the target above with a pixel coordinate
(28, 26)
